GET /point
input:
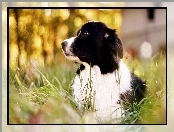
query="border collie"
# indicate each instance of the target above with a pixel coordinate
(103, 81)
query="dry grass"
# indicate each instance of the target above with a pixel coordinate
(44, 96)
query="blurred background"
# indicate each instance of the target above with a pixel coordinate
(35, 35)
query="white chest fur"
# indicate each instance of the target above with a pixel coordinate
(102, 91)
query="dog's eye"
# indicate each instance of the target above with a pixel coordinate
(84, 33)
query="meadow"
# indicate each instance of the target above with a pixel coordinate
(43, 95)
(39, 91)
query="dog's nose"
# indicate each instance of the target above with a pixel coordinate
(64, 44)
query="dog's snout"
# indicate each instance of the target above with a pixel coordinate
(64, 44)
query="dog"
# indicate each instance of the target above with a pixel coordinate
(102, 81)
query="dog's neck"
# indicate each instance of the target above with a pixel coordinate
(105, 66)
(108, 66)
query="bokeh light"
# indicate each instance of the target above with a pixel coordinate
(36, 34)
(146, 50)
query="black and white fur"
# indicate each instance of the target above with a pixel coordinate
(102, 78)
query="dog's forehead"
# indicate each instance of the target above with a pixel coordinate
(93, 25)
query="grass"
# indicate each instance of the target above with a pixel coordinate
(43, 95)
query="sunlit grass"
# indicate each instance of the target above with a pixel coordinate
(43, 95)
(152, 109)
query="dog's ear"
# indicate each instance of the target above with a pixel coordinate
(114, 43)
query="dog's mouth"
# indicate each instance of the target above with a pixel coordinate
(69, 54)
(68, 51)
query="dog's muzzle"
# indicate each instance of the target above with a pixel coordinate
(66, 46)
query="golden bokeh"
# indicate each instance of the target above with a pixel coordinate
(36, 34)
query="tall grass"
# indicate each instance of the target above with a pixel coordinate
(44, 94)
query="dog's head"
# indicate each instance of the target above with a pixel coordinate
(95, 44)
